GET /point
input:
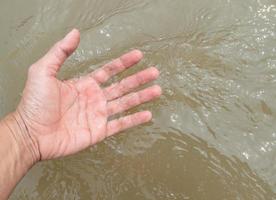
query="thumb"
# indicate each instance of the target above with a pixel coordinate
(57, 55)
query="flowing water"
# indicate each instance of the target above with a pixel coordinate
(214, 131)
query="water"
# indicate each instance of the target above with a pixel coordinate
(214, 132)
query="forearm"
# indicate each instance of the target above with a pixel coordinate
(16, 152)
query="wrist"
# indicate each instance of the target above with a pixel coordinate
(24, 144)
(17, 151)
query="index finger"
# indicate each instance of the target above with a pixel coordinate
(116, 66)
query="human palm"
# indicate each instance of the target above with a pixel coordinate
(64, 117)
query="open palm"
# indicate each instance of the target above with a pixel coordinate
(64, 117)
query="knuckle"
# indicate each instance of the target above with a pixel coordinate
(59, 52)
(121, 124)
(132, 100)
(110, 69)
(140, 79)
(123, 86)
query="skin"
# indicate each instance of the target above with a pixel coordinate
(58, 118)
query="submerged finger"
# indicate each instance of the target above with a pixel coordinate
(116, 66)
(121, 124)
(128, 84)
(134, 99)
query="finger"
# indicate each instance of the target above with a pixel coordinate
(128, 84)
(116, 66)
(57, 55)
(133, 99)
(127, 122)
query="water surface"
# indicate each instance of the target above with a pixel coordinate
(214, 132)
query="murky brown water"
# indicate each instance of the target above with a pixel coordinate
(214, 133)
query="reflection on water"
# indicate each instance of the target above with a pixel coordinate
(214, 132)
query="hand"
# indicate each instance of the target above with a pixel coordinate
(64, 117)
